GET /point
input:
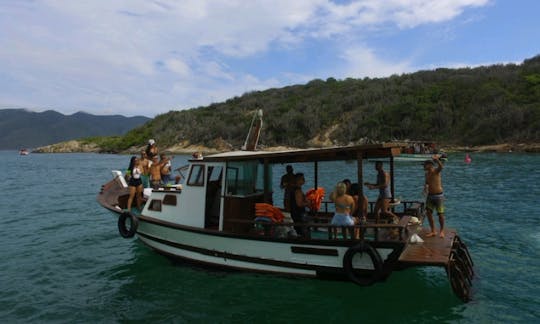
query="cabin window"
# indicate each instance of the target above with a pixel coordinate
(196, 176)
(242, 178)
(155, 205)
(169, 200)
(214, 173)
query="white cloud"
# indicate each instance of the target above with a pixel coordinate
(362, 61)
(141, 55)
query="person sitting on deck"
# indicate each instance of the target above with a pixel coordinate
(382, 205)
(344, 205)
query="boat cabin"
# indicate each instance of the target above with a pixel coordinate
(221, 190)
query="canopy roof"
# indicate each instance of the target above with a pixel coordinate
(342, 153)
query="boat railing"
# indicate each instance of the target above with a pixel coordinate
(324, 231)
(408, 207)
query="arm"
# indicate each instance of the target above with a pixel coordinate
(437, 160)
(379, 186)
(332, 196)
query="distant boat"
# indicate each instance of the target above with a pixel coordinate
(419, 157)
(23, 151)
(419, 151)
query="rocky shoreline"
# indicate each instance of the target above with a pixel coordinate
(75, 146)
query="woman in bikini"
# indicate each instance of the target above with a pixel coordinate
(344, 205)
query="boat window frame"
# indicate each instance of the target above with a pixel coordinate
(196, 175)
(241, 178)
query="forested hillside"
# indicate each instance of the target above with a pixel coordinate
(466, 106)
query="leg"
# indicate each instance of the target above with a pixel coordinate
(441, 222)
(286, 200)
(297, 219)
(388, 211)
(378, 209)
(139, 196)
(429, 213)
(131, 196)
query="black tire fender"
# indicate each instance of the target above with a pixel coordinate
(370, 276)
(123, 229)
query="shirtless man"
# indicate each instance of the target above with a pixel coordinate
(433, 189)
(155, 172)
(382, 205)
(145, 163)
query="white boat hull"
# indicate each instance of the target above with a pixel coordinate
(250, 254)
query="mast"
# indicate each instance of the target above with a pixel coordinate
(254, 131)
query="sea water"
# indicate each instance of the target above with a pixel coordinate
(62, 259)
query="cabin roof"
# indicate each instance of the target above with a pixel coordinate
(341, 153)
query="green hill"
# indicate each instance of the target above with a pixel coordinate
(466, 106)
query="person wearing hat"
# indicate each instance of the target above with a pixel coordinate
(151, 149)
(433, 189)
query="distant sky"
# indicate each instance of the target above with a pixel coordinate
(146, 57)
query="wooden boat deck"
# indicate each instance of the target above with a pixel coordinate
(434, 251)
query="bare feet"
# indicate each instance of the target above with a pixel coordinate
(442, 234)
(431, 234)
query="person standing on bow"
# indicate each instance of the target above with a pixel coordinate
(145, 163)
(135, 184)
(435, 198)
(155, 173)
(151, 149)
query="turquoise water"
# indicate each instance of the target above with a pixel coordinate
(63, 260)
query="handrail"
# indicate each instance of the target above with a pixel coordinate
(356, 232)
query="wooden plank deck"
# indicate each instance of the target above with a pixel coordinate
(434, 251)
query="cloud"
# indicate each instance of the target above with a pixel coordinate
(143, 56)
(362, 61)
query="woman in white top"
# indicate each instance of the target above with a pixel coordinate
(134, 184)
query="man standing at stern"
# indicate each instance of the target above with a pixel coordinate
(435, 198)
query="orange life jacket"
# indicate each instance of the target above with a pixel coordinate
(315, 198)
(270, 211)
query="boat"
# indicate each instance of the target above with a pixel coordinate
(224, 215)
(419, 151)
(23, 152)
